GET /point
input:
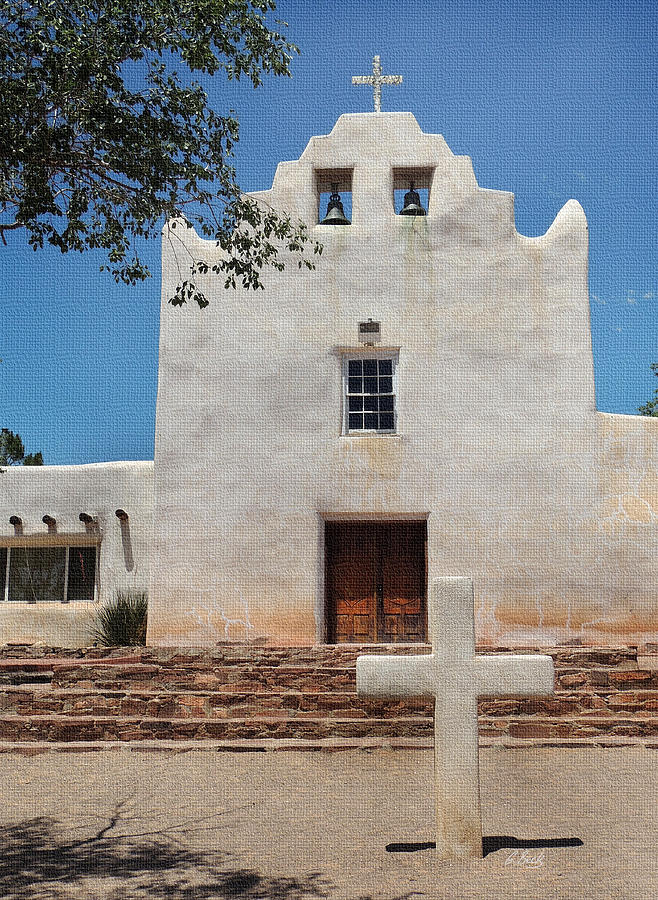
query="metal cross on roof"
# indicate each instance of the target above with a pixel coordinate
(377, 80)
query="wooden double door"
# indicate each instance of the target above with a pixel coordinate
(375, 581)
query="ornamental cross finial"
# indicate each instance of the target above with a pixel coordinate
(377, 80)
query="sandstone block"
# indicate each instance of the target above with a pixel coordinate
(573, 680)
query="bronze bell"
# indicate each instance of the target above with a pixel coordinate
(412, 206)
(335, 212)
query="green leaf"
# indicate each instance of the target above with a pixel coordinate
(104, 142)
(650, 408)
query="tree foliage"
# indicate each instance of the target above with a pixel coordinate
(12, 451)
(103, 141)
(650, 408)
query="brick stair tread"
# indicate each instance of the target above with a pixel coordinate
(339, 663)
(50, 662)
(64, 728)
(181, 682)
(181, 670)
(270, 678)
(77, 719)
(45, 691)
(236, 654)
(233, 745)
(250, 664)
(139, 690)
(584, 718)
(594, 703)
(192, 720)
(211, 706)
(19, 730)
(219, 665)
(256, 745)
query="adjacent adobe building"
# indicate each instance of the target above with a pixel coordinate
(420, 404)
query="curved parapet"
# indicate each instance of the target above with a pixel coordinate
(569, 230)
(567, 233)
(571, 216)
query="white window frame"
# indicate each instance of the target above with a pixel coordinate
(5, 577)
(358, 354)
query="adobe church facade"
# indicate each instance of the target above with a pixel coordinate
(420, 404)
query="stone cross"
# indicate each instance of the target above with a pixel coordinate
(377, 80)
(455, 677)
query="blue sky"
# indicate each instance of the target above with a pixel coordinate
(551, 101)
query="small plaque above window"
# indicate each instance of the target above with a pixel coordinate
(370, 332)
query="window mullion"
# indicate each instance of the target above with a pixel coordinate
(66, 576)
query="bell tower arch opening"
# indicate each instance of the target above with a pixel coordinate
(334, 192)
(409, 181)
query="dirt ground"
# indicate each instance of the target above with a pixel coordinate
(353, 825)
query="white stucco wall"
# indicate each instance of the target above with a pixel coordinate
(499, 445)
(63, 492)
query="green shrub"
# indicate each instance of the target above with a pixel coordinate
(122, 621)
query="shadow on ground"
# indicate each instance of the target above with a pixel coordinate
(506, 841)
(36, 862)
(493, 843)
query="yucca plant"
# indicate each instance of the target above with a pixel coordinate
(122, 621)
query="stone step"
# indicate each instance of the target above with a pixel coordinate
(346, 654)
(47, 664)
(26, 701)
(251, 677)
(327, 745)
(308, 668)
(183, 677)
(17, 678)
(33, 701)
(306, 679)
(563, 703)
(320, 654)
(80, 728)
(644, 725)
(619, 679)
(107, 728)
(243, 693)
(41, 670)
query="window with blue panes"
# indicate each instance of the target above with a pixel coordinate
(370, 394)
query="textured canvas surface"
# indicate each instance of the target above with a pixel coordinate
(552, 102)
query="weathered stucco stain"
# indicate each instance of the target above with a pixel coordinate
(381, 457)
